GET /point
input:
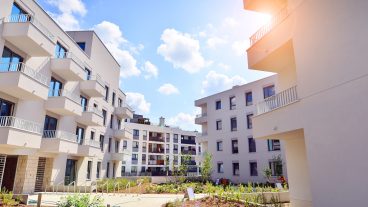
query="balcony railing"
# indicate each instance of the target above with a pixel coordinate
(97, 78)
(281, 99)
(188, 141)
(56, 134)
(188, 152)
(65, 93)
(17, 123)
(22, 18)
(135, 149)
(157, 139)
(69, 55)
(23, 68)
(94, 143)
(93, 110)
(201, 115)
(277, 19)
(160, 151)
(134, 162)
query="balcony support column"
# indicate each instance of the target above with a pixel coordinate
(25, 176)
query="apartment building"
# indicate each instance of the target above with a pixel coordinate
(227, 134)
(158, 148)
(318, 49)
(61, 108)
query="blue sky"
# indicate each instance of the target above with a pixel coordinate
(172, 52)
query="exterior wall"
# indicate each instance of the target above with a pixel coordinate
(243, 157)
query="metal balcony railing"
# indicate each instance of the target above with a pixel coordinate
(93, 110)
(157, 139)
(18, 123)
(22, 18)
(201, 115)
(97, 78)
(23, 68)
(57, 134)
(69, 55)
(65, 93)
(188, 141)
(277, 19)
(278, 100)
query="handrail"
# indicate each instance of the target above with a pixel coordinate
(96, 78)
(70, 185)
(23, 68)
(70, 55)
(127, 187)
(93, 110)
(23, 18)
(18, 123)
(201, 115)
(57, 186)
(57, 134)
(278, 100)
(116, 184)
(65, 93)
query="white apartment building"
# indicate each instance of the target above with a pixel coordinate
(319, 50)
(156, 147)
(61, 108)
(227, 134)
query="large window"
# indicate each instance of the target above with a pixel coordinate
(234, 146)
(273, 145)
(233, 124)
(276, 167)
(89, 168)
(220, 167)
(6, 108)
(219, 145)
(50, 123)
(248, 99)
(104, 115)
(84, 103)
(252, 144)
(268, 91)
(249, 121)
(135, 132)
(98, 170)
(106, 93)
(218, 125)
(235, 168)
(218, 105)
(60, 51)
(55, 87)
(232, 103)
(10, 61)
(253, 168)
(80, 135)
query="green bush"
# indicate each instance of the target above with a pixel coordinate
(6, 198)
(80, 201)
(109, 183)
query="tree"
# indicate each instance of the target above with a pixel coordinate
(206, 166)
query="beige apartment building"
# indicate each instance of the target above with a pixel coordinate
(227, 134)
(61, 109)
(319, 50)
(158, 148)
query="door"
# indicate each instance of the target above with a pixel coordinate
(70, 171)
(9, 172)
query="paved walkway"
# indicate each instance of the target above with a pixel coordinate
(118, 200)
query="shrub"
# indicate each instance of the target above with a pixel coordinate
(80, 201)
(6, 198)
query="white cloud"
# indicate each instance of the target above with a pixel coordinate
(151, 71)
(214, 42)
(168, 89)
(230, 22)
(215, 82)
(138, 102)
(112, 36)
(239, 47)
(182, 50)
(224, 66)
(68, 12)
(184, 121)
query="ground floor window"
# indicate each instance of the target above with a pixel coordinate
(236, 168)
(253, 168)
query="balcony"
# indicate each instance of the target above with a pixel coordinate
(264, 6)
(157, 150)
(188, 152)
(135, 149)
(271, 46)
(21, 81)
(136, 137)
(124, 112)
(156, 162)
(278, 114)
(94, 86)
(18, 132)
(156, 139)
(117, 156)
(91, 117)
(134, 162)
(201, 118)
(56, 141)
(188, 141)
(90, 148)
(64, 103)
(29, 35)
(202, 137)
(123, 133)
(68, 66)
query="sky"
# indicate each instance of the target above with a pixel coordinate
(171, 52)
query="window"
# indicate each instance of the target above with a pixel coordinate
(219, 145)
(109, 146)
(111, 120)
(134, 156)
(249, 121)
(218, 125)
(218, 105)
(98, 170)
(19, 13)
(248, 99)
(106, 93)
(234, 146)
(92, 135)
(135, 132)
(135, 145)
(125, 145)
(88, 73)
(89, 168)
(102, 140)
(84, 102)
(55, 87)
(276, 167)
(80, 135)
(117, 143)
(82, 45)
(235, 168)
(119, 123)
(108, 169)
(268, 91)
(232, 103)
(50, 123)
(113, 169)
(220, 167)
(134, 169)
(273, 145)
(60, 51)
(252, 144)
(104, 114)
(10, 61)
(113, 99)
(253, 168)
(120, 102)
(233, 124)
(122, 171)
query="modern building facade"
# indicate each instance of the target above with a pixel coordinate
(158, 149)
(318, 49)
(61, 108)
(227, 134)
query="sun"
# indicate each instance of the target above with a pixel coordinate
(265, 18)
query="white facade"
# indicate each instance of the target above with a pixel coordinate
(218, 111)
(155, 144)
(57, 101)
